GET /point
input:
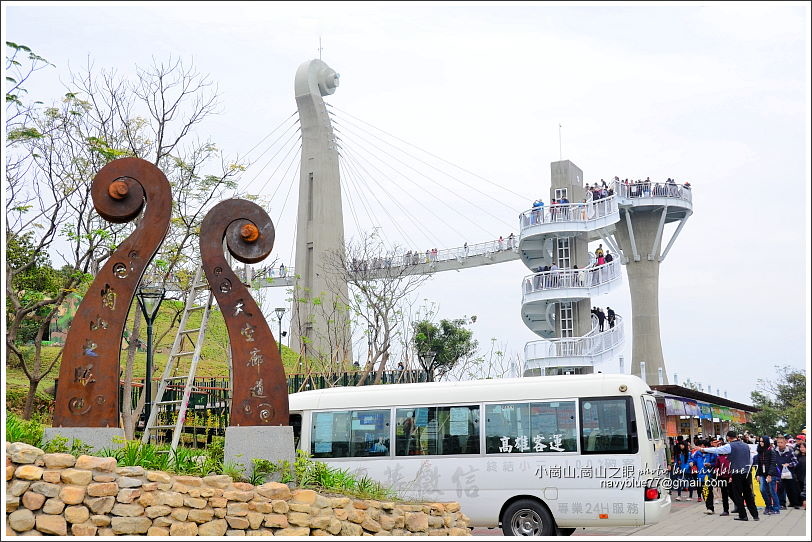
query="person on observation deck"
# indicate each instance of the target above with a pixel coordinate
(601, 318)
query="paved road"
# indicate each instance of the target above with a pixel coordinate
(688, 520)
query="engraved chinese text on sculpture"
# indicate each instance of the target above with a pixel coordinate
(260, 391)
(87, 395)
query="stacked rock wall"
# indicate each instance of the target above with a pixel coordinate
(59, 494)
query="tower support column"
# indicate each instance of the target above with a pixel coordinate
(644, 283)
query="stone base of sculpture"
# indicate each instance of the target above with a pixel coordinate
(96, 437)
(245, 443)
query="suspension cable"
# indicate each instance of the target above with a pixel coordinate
(451, 207)
(524, 197)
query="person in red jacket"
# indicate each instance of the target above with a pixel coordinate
(725, 480)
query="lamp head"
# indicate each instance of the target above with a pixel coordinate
(150, 298)
(280, 312)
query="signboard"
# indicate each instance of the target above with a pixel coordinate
(671, 428)
(674, 407)
(705, 411)
(691, 408)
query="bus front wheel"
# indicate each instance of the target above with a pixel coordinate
(526, 517)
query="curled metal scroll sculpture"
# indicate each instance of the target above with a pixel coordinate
(259, 389)
(87, 395)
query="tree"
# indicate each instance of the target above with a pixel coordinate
(57, 151)
(377, 289)
(450, 341)
(782, 403)
(48, 172)
(493, 363)
(691, 385)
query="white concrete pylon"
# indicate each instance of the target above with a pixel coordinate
(320, 223)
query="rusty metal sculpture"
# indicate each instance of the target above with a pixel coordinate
(87, 395)
(259, 389)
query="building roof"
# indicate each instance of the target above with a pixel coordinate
(702, 396)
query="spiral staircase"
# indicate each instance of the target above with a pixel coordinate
(556, 303)
(545, 294)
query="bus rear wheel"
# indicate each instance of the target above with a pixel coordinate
(526, 517)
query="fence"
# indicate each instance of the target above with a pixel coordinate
(210, 400)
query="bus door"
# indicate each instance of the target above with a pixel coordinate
(654, 454)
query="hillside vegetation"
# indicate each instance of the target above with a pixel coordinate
(213, 360)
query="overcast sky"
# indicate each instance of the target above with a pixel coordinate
(716, 95)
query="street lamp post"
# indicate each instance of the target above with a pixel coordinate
(280, 312)
(370, 330)
(149, 299)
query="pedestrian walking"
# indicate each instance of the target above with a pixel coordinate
(725, 481)
(787, 483)
(766, 471)
(705, 475)
(610, 317)
(682, 467)
(800, 469)
(601, 317)
(742, 491)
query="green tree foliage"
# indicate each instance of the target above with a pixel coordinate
(450, 341)
(782, 402)
(52, 154)
(35, 283)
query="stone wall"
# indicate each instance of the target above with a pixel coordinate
(59, 494)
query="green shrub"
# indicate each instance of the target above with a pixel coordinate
(307, 473)
(235, 470)
(59, 445)
(27, 431)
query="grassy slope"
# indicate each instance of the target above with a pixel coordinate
(213, 361)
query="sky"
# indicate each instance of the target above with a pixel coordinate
(714, 94)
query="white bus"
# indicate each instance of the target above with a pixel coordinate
(534, 455)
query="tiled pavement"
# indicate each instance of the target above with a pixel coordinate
(688, 519)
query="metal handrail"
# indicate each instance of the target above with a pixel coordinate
(649, 189)
(415, 258)
(588, 277)
(593, 343)
(569, 212)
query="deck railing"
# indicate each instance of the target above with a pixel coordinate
(587, 277)
(592, 344)
(569, 212)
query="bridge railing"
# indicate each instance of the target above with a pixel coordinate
(592, 344)
(270, 272)
(587, 277)
(643, 189)
(449, 254)
(569, 212)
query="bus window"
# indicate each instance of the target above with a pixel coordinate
(607, 426)
(653, 421)
(296, 424)
(651, 418)
(357, 433)
(530, 428)
(449, 430)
